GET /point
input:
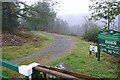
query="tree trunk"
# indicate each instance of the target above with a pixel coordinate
(108, 24)
(9, 19)
(108, 20)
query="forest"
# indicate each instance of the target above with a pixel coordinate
(39, 16)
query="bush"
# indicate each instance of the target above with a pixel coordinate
(92, 33)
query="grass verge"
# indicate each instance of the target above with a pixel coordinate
(82, 62)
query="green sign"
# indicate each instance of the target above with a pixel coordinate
(109, 42)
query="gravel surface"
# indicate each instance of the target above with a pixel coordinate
(61, 46)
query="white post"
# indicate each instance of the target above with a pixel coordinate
(26, 70)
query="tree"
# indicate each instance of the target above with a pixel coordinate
(61, 26)
(9, 18)
(43, 17)
(0, 16)
(11, 12)
(105, 10)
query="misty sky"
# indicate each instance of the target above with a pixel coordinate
(69, 6)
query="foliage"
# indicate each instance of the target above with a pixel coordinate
(11, 12)
(107, 10)
(39, 16)
(44, 18)
(91, 30)
(9, 19)
(92, 34)
(43, 14)
(61, 26)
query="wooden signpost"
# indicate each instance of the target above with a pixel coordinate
(109, 42)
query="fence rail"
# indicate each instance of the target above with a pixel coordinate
(9, 65)
(36, 71)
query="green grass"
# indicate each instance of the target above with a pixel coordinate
(82, 62)
(14, 52)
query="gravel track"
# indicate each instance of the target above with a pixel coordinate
(61, 46)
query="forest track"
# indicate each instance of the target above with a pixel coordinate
(61, 46)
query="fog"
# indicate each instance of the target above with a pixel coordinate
(74, 13)
(76, 22)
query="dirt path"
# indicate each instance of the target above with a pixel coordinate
(62, 45)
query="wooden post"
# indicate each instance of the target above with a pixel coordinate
(90, 52)
(96, 54)
(27, 77)
(45, 77)
(35, 74)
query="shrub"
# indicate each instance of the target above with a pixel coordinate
(92, 33)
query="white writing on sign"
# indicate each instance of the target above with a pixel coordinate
(93, 48)
(110, 42)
